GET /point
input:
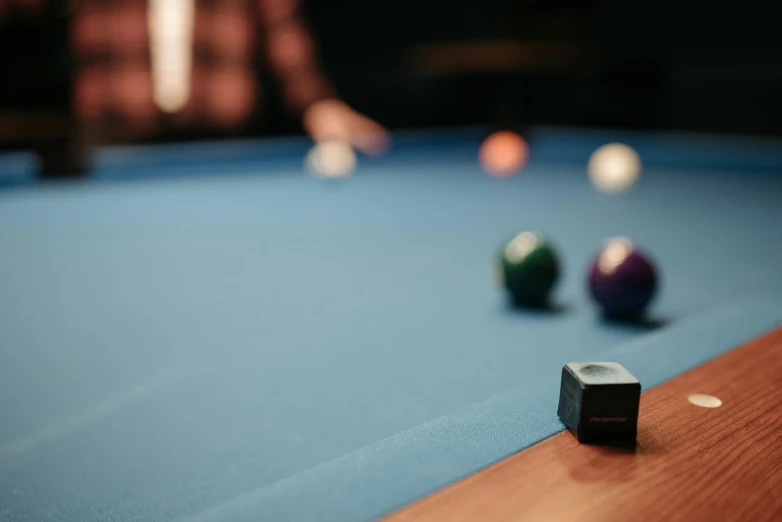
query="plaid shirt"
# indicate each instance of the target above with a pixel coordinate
(114, 66)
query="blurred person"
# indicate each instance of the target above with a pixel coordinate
(128, 54)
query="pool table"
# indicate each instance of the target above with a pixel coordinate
(201, 332)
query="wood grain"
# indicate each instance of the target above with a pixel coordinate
(690, 463)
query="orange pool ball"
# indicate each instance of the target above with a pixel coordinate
(503, 153)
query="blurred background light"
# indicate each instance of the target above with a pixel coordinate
(171, 41)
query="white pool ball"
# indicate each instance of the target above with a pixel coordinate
(614, 167)
(332, 159)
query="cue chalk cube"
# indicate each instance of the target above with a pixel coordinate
(598, 402)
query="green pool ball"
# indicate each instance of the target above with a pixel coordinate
(529, 268)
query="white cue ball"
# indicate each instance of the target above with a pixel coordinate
(614, 167)
(332, 159)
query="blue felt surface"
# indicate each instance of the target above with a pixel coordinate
(251, 344)
(395, 471)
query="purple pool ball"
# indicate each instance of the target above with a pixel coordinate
(622, 280)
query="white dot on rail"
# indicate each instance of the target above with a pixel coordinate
(704, 401)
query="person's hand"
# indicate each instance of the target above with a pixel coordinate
(334, 119)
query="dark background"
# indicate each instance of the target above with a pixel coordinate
(686, 65)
